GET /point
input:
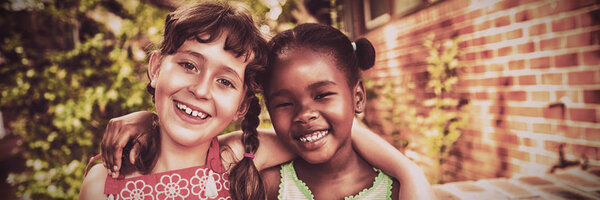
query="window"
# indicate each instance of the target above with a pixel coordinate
(376, 13)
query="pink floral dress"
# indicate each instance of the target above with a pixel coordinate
(202, 182)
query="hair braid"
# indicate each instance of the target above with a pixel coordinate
(244, 177)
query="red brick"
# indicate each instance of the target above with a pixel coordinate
(524, 15)
(506, 4)
(517, 125)
(505, 81)
(486, 54)
(493, 38)
(542, 128)
(537, 63)
(470, 56)
(537, 29)
(527, 80)
(475, 14)
(543, 11)
(563, 24)
(550, 44)
(551, 145)
(481, 95)
(592, 134)
(563, 6)
(573, 132)
(526, 111)
(540, 96)
(591, 57)
(584, 77)
(478, 41)
(502, 21)
(504, 51)
(483, 26)
(552, 79)
(590, 152)
(529, 142)
(526, 48)
(506, 138)
(466, 30)
(591, 18)
(495, 67)
(517, 96)
(566, 60)
(572, 95)
(591, 96)
(554, 112)
(583, 114)
(514, 34)
(479, 69)
(584, 39)
(516, 64)
(545, 160)
(521, 155)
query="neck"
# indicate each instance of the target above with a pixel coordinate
(174, 156)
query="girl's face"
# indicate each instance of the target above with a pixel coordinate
(311, 105)
(199, 91)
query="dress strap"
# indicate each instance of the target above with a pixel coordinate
(92, 159)
(213, 158)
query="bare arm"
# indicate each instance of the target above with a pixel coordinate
(381, 154)
(93, 183)
(271, 152)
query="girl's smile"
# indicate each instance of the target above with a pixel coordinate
(310, 104)
(199, 90)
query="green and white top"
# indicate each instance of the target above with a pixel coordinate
(293, 188)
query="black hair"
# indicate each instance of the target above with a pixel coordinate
(350, 57)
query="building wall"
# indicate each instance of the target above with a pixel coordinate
(531, 74)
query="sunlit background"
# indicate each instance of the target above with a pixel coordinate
(476, 92)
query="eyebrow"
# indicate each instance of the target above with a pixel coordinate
(310, 87)
(225, 67)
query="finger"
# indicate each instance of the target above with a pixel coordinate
(126, 133)
(134, 153)
(106, 145)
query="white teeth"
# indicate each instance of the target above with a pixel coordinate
(191, 112)
(313, 136)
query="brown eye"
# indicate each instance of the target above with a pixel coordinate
(226, 83)
(323, 95)
(188, 66)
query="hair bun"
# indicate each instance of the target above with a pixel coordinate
(365, 53)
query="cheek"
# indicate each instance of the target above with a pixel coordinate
(227, 102)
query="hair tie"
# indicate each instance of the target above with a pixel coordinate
(249, 155)
(353, 46)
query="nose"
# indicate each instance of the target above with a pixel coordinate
(201, 87)
(306, 115)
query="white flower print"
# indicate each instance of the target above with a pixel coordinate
(172, 187)
(205, 184)
(137, 190)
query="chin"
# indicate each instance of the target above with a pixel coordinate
(316, 157)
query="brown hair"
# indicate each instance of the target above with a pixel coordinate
(243, 39)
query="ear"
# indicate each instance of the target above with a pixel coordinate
(154, 68)
(360, 97)
(243, 109)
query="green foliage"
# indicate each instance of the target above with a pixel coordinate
(444, 121)
(66, 71)
(440, 117)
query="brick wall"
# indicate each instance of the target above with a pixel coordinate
(531, 73)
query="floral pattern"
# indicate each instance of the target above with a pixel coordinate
(137, 190)
(206, 184)
(172, 187)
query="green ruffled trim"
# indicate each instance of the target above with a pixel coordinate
(289, 169)
(378, 180)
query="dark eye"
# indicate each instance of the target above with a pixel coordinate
(283, 105)
(225, 82)
(188, 66)
(323, 95)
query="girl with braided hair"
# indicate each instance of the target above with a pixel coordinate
(202, 78)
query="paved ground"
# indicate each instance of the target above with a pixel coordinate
(568, 184)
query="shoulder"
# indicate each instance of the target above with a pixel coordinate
(93, 184)
(271, 179)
